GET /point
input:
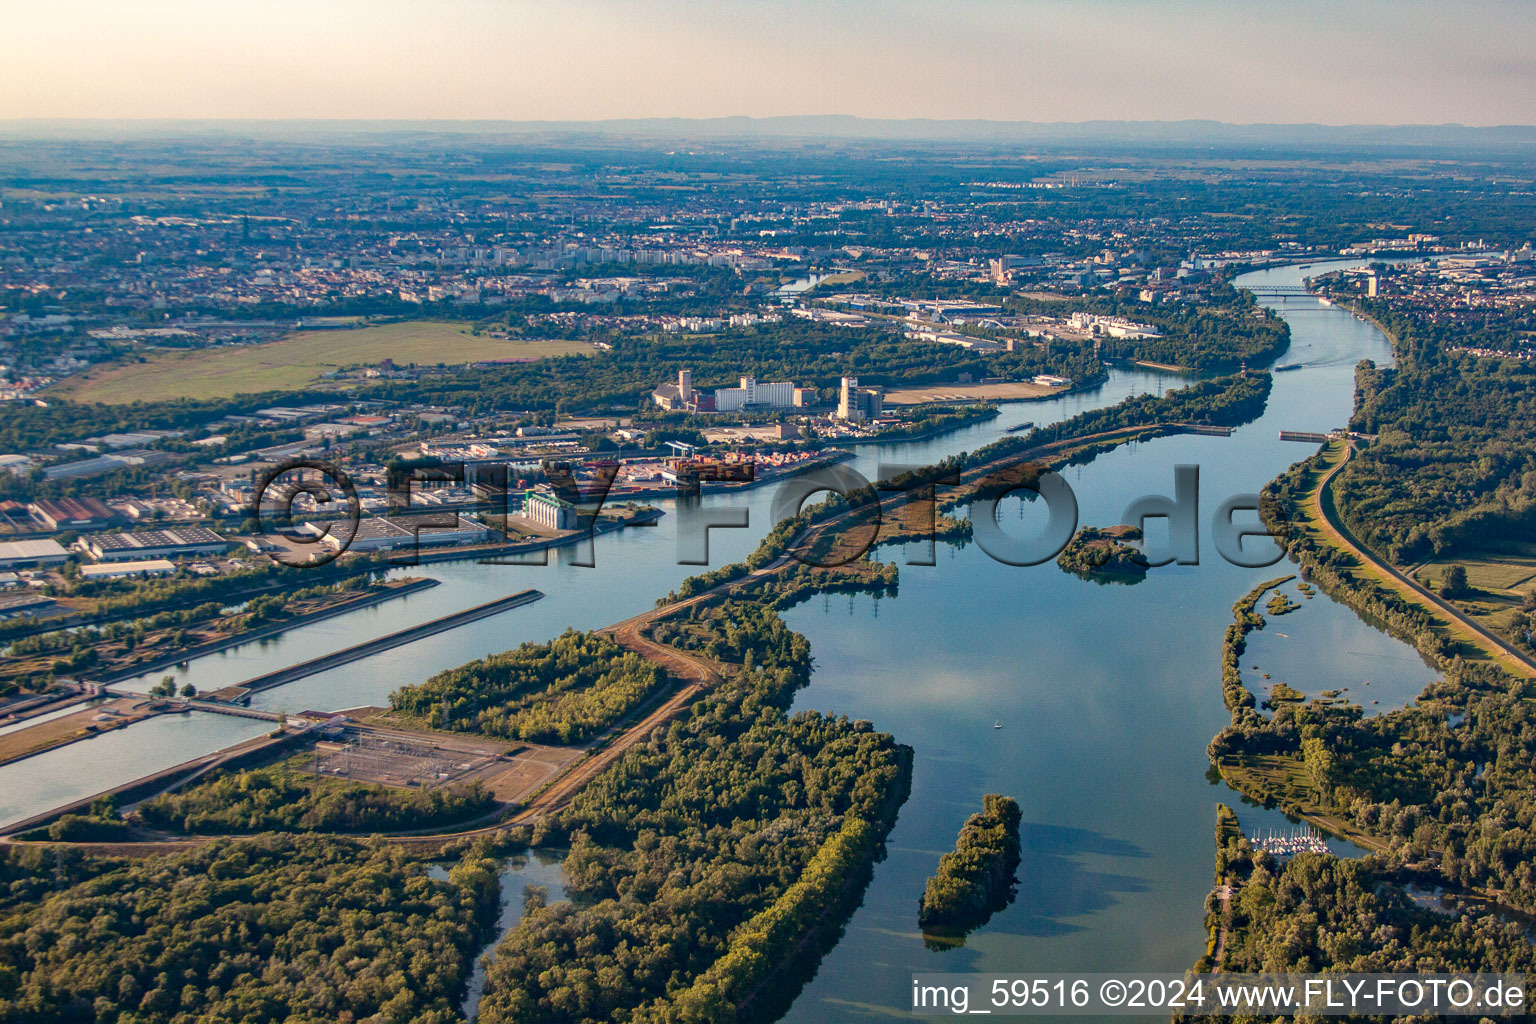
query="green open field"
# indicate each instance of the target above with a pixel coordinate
(296, 361)
(1493, 572)
(1499, 581)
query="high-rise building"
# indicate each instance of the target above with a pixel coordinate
(776, 394)
(677, 396)
(751, 392)
(856, 404)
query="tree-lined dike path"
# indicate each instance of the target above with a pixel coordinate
(1323, 516)
(690, 673)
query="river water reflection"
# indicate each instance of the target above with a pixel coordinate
(633, 567)
(1106, 695)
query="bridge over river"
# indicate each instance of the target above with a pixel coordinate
(1277, 289)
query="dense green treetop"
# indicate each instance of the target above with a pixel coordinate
(976, 879)
(277, 928)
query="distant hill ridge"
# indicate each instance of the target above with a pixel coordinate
(830, 126)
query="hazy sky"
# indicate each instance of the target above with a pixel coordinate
(1337, 63)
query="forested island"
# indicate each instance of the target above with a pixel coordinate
(705, 857)
(977, 879)
(1281, 604)
(280, 927)
(1103, 553)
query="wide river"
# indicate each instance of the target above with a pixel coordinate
(1106, 696)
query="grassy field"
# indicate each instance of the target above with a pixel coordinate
(1494, 572)
(846, 277)
(297, 361)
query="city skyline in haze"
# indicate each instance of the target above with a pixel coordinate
(1285, 63)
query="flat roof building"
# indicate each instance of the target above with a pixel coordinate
(104, 464)
(115, 570)
(752, 392)
(21, 553)
(176, 542)
(376, 533)
(16, 465)
(17, 606)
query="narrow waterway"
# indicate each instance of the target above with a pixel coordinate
(47, 716)
(519, 874)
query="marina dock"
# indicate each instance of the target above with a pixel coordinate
(1290, 843)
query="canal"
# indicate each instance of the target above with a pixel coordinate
(1106, 696)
